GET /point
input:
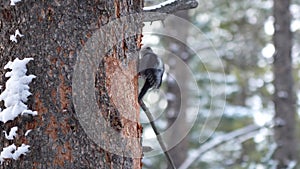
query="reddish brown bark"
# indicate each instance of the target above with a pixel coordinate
(54, 33)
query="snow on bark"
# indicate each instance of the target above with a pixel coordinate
(15, 97)
(16, 91)
(12, 133)
(13, 38)
(13, 152)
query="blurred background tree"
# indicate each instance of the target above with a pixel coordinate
(233, 56)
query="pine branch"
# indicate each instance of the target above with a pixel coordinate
(159, 138)
(218, 141)
(161, 11)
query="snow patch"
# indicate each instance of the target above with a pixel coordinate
(13, 38)
(13, 2)
(27, 132)
(14, 97)
(159, 5)
(283, 94)
(23, 149)
(12, 133)
(17, 90)
(279, 122)
(13, 152)
(292, 164)
(7, 152)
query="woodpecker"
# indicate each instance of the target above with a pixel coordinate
(151, 68)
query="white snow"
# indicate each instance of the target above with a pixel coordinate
(279, 122)
(12, 133)
(13, 38)
(13, 152)
(16, 91)
(27, 132)
(292, 164)
(283, 94)
(17, 33)
(23, 149)
(13, 2)
(7, 152)
(34, 113)
(159, 5)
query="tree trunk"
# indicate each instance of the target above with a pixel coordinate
(85, 90)
(284, 97)
(177, 107)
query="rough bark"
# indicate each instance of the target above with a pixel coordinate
(54, 32)
(284, 97)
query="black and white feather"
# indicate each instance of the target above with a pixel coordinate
(151, 68)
